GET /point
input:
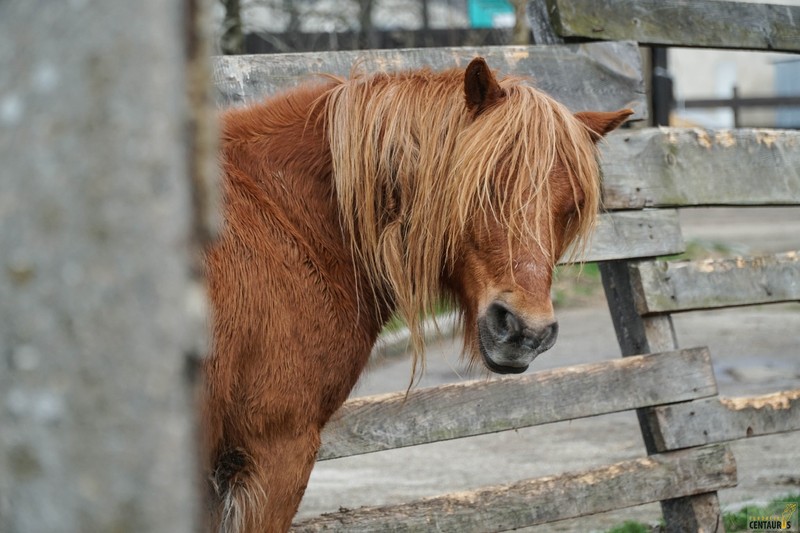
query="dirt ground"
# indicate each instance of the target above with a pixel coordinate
(755, 350)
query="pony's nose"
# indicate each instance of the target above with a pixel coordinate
(509, 329)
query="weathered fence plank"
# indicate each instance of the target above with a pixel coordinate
(629, 234)
(389, 421)
(539, 501)
(699, 23)
(718, 419)
(661, 167)
(669, 286)
(562, 71)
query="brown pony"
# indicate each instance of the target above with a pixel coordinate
(349, 201)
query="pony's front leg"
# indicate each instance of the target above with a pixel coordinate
(265, 481)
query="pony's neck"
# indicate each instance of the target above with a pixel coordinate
(283, 147)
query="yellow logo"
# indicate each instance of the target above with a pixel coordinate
(782, 516)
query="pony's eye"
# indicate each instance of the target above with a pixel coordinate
(571, 214)
(572, 209)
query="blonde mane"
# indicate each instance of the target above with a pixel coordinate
(412, 168)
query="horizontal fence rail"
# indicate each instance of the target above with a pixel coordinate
(561, 71)
(670, 286)
(718, 419)
(630, 234)
(741, 101)
(384, 422)
(658, 167)
(693, 23)
(540, 501)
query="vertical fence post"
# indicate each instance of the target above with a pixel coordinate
(737, 110)
(99, 305)
(661, 86)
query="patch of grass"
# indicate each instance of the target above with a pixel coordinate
(735, 521)
(630, 527)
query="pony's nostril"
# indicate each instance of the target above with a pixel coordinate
(539, 338)
(504, 324)
(550, 334)
(513, 325)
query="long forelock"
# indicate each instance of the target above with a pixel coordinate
(412, 168)
(510, 156)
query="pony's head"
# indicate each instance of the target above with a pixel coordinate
(455, 185)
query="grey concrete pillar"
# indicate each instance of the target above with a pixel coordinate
(98, 306)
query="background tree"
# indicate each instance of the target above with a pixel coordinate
(232, 38)
(521, 34)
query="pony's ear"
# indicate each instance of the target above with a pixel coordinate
(480, 86)
(600, 123)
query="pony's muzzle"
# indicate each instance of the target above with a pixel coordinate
(509, 344)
